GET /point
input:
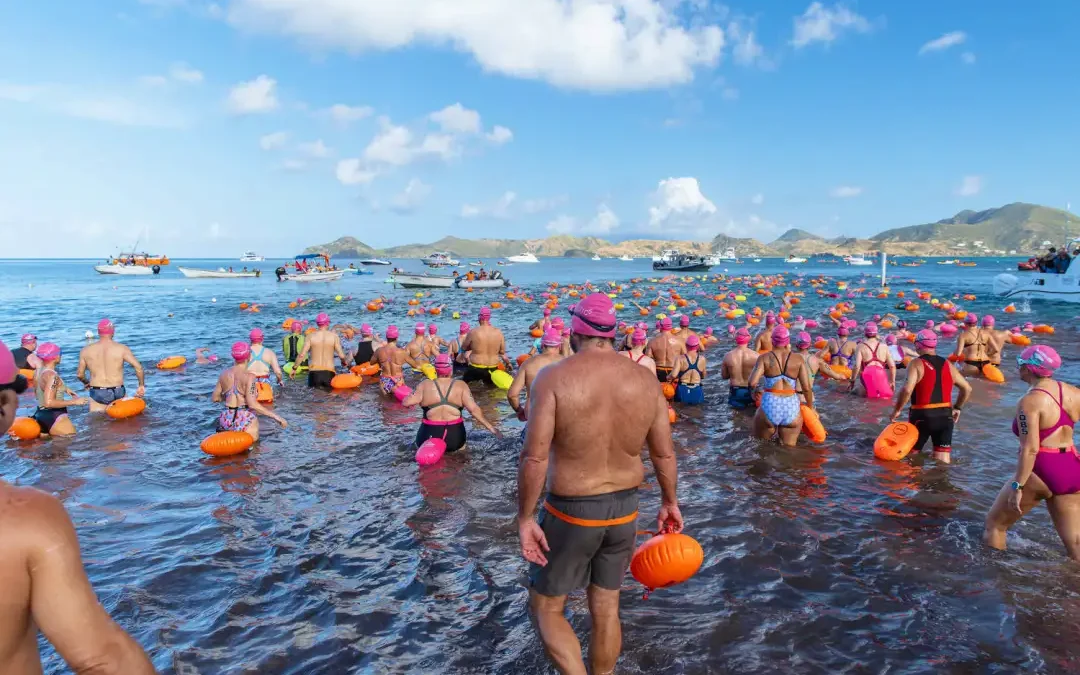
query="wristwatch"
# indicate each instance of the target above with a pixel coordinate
(1017, 486)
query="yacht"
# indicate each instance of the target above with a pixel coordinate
(440, 259)
(683, 263)
(251, 256)
(526, 257)
(795, 260)
(858, 260)
(596, 257)
(374, 261)
(727, 256)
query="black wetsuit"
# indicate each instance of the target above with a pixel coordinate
(21, 354)
(364, 351)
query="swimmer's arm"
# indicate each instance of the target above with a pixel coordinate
(80, 374)
(533, 464)
(960, 342)
(466, 344)
(961, 383)
(662, 452)
(130, 359)
(413, 363)
(824, 367)
(277, 369)
(415, 397)
(725, 370)
(1027, 420)
(513, 394)
(755, 375)
(63, 604)
(251, 400)
(856, 368)
(52, 395)
(806, 384)
(340, 352)
(469, 403)
(502, 351)
(675, 371)
(215, 396)
(704, 367)
(904, 395)
(892, 369)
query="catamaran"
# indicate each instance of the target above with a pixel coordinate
(727, 256)
(857, 260)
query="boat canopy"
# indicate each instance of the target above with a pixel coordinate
(312, 256)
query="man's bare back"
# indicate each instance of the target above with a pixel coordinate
(487, 346)
(526, 375)
(738, 364)
(320, 348)
(105, 360)
(664, 349)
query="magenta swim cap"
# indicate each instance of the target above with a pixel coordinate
(1041, 360)
(641, 325)
(926, 338)
(781, 337)
(971, 319)
(29, 339)
(366, 329)
(322, 320)
(420, 329)
(742, 337)
(684, 321)
(443, 365)
(485, 313)
(105, 327)
(665, 324)
(709, 330)
(929, 323)
(890, 339)
(988, 321)
(297, 327)
(432, 329)
(870, 329)
(770, 320)
(391, 332)
(48, 352)
(241, 351)
(594, 317)
(639, 337)
(842, 332)
(803, 340)
(547, 312)
(256, 335)
(877, 317)
(464, 327)
(551, 338)
(8, 371)
(693, 342)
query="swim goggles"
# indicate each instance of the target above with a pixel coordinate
(1036, 359)
(592, 324)
(18, 385)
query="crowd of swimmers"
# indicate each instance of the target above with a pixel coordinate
(581, 472)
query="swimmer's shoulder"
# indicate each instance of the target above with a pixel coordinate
(31, 519)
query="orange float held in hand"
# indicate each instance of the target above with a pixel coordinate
(536, 332)
(666, 560)
(124, 408)
(671, 416)
(227, 443)
(896, 441)
(25, 429)
(28, 374)
(346, 381)
(171, 362)
(811, 424)
(264, 393)
(669, 390)
(522, 358)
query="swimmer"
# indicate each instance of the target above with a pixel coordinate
(736, 368)
(460, 357)
(442, 401)
(391, 359)
(236, 388)
(840, 348)
(24, 353)
(803, 342)
(929, 385)
(418, 347)
(291, 346)
(543, 322)
(528, 371)
(105, 360)
(763, 341)
(1048, 467)
(52, 411)
(708, 339)
(684, 330)
(263, 360)
(638, 339)
(45, 584)
(972, 346)
(589, 417)
(995, 340)
(900, 354)
(873, 367)
(779, 414)
(434, 344)
(322, 346)
(367, 345)
(688, 373)
(665, 349)
(204, 357)
(487, 349)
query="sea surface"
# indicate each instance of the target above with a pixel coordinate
(327, 550)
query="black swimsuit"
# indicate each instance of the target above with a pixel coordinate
(453, 432)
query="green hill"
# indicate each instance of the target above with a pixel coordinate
(1021, 227)
(345, 247)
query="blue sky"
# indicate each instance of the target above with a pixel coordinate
(217, 127)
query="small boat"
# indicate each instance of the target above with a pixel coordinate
(476, 263)
(143, 259)
(683, 263)
(911, 264)
(374, 261)
(495, 281)
(306, 274)
(526, 257)
(858, 260)
(358, 270)
(626, 258)
(127, 270)
(757, 259)
(423, 280)
(1038, 286)
(596, 258)
(440, 259)
(727, 256)
(251, 256)
(969, 263)
(795, 260)
(195, 273)
(947, 262)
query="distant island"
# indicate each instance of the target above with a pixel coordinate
(1013, 229)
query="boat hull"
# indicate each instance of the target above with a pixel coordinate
(125, 270)
(1039, 286)
(195, 273)
(527, 258)
(423, 281)
(314, 276)
(374, 261)
(695, 267)
(483, 283)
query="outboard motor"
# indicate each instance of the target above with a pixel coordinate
(156, 269)
(280, 272)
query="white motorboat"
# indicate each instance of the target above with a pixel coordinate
(251, 256)
(423, 280)
(858, 260)
(476, 263)
(948, 262)
(526, 257)
(127, 270)
(795, 260)
(306, 273)
(495, 281)
(195, 273)
(440, 259)
(626, 258)
(1039, 286)
(374, 261)
(332, 275)
(727, 256)
(596, 258)
(757, 259)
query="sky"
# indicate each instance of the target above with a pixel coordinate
(206, 129)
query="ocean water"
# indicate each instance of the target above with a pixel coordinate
(327, 550)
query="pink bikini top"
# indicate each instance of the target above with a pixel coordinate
(1063, 417)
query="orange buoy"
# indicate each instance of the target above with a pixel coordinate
(671, 416)
(125, 407)
(346, 381)
(666, 560)
(821, 343)
(264, 393)
(536, 332)
(1020, 340)
(227, 443)
(1044, 328)
(496, 305)
(811, 424)
(28, 374)
(171, 362)
(843, 371)
(993, 373)
(244, 305)
(669, 390)
(895, 441)
(1010, 309)
(522, 358)
(25, 429)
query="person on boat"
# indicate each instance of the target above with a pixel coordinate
(459, 357)
(763, 341)
(321, 346)
(433, 343)
(840, 348)
(638, 340)
(665, 349)
(49, 389)
(815, 365)
(291, 346)
(1047, 466)
(392, 359)
(263, 360)
(45, 584)
(688, 373)
(784, 374)
(995, 340)
(24, 353)
(930, 382)
(442, 401)
(1062, 261)
(873, 367)
(592, 468)
(526, 373)
(236, 388)
(105, 360)
(972, 346)
(736, 368)
(469, 276)
(487, 349)
(367, 345)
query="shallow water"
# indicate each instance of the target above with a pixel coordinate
(326, 550)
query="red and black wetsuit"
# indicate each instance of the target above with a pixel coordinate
(931, 404)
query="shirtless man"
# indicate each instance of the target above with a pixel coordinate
(972, 344)
(995, 340)
(487, 348)
(736, 368)
(526, 374)
(589, 415)
(45, 585)
(664, 350)
(322, 346)
(684, 329)
(638, 340)
(263, 360)
(763, 342)
(105, 360)
(391, 359)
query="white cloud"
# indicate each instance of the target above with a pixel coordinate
(758, 199)
(457, 119)
(845, 191)
(968, 58)
(679, 205)
(181, 72)
(969, 186)
(443, 146)
(746, 50)
(346, 114)
(352, 172)
(956, 37)
(256, 96)
(273, 141)
(392, 145)
(822, 24)
(542, 205)
(603, 45)
(603, 222)
(411, 197)
(500, 135)
(315, 150)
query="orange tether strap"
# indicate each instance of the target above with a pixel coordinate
(583, 522)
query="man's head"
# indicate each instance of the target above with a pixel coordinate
(593, 321)
(665, 324)
(485, 316)
(29, 341)
(552, 339)
(742, 336)
(684, 321)
(926, 341)
(11, 385)
(105, 328)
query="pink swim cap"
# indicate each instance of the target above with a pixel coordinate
(485, 314)
(684, 321)
(1041, 360)
(781, 337)
(709, 330)
(641, 325)
(391, 332)
(256, 335)
(566, 332)
(297, 327)
(366, 329)
(971, 319)
(926, 338)
(48, 352)
(552, 338)
(241, 351)
(842, 332)
(557, 322)
(988, 321)
(929, 323)
(105, 327)
(443, 366)
(770, 320)
(8, 371)
(420, 329)
(547, 312)
(877, 317)
(693, 342)
(464, 327)
(665, 324)
(322, 320)
(29, 339)
(890, 339)
(594, 317)
(870, 329)
(639, 337)
(432, 329)
(742, 337)
(803, 340)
